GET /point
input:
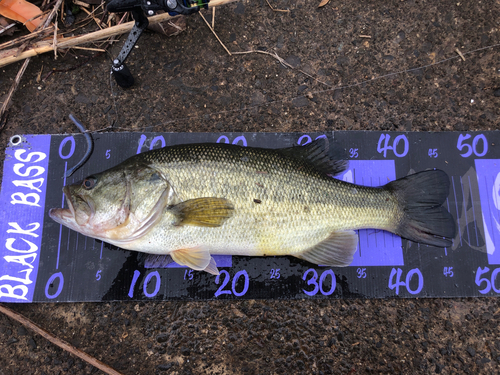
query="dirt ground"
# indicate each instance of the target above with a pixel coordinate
(188, 83)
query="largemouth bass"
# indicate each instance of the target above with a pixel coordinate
(193, 201)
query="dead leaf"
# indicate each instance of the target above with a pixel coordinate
(22, 11)
(323, 3)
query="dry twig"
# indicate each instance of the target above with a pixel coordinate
(81, 4)
(19, 75)
(282, 62)
(96, 20)
(13, 88)
(57, 341)
(55, 40)
(460, 54)
(277, 10)
(25, 38)
(212, 30)
(49, 19)
(2, 29)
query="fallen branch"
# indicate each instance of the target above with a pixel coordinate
(57, 341)
(10, 56)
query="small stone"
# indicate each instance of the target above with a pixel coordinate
(280, 42)
(497, 93)
(400, 37)
(331, 342)
(80, 98)
(166, 366)
(343, 61)
(258, 98)
(162, 337)
(301, 101)
(301, 88)
(240, 9)
(32, 343)
(439, 368)
(293, 61)
(471, 351)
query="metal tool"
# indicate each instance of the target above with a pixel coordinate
(140, 10)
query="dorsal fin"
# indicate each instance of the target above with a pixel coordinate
(317, 154)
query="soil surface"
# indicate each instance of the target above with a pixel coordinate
(385, 59)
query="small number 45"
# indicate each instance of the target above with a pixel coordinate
(433, 152)
(448, 271)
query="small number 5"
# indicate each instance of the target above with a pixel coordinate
(108, 154)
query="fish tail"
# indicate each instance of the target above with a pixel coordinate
(423, 219)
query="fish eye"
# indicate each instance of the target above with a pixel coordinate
(89, 183)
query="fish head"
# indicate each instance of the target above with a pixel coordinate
(118, 204)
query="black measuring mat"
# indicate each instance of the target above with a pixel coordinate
(43, 261)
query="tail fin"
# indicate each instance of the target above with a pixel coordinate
(420, 197)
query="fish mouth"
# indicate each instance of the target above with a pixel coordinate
(72, 217)
(61, 215)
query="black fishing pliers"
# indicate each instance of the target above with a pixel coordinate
(140, 9)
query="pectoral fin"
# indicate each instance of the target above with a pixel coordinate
(205, 212)
(337, 250)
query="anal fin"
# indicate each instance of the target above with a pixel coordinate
(337, 250)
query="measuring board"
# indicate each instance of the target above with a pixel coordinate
(42, 261)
